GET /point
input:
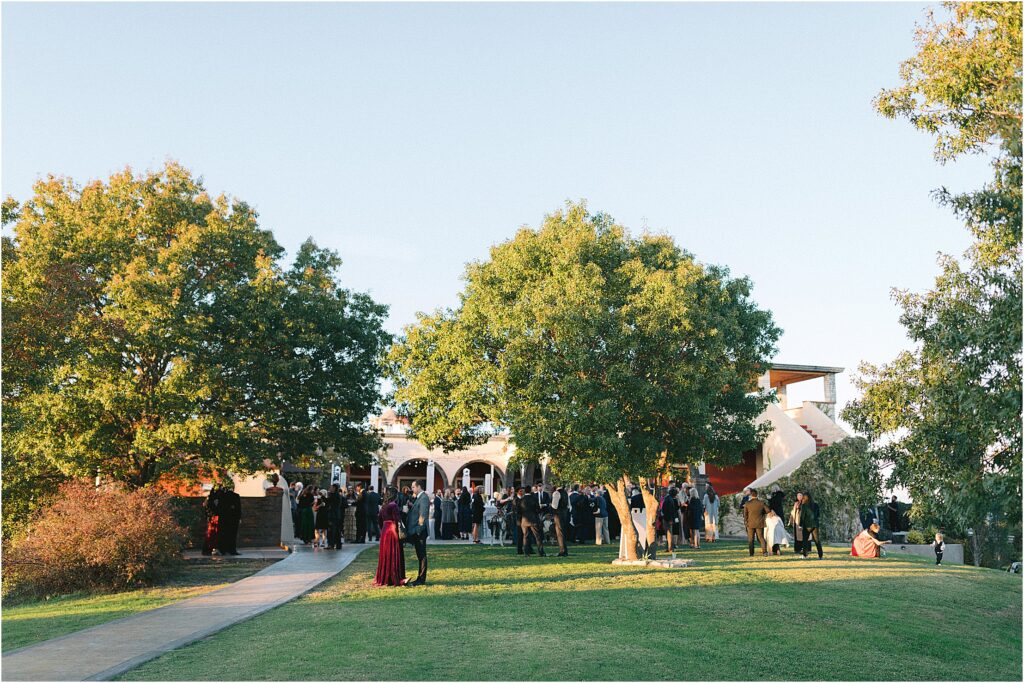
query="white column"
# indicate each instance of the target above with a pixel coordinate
(375, 476)
(488, 486)
(429, 488)
(830, 396)
(465, 478)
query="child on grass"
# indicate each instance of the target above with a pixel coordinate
(940, 548)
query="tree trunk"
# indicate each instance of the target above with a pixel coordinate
(617, 491)
(976, 548)
(651, 503)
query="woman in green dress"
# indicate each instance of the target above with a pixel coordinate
(305, 505)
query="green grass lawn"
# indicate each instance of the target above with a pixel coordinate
(30, 622)
(489, 614)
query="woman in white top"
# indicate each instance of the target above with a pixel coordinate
(710, 514)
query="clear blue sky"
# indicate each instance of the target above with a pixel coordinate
(411, 137)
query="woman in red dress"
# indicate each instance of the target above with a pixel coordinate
(391, 561)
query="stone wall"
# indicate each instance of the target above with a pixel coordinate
(954, 551)
(841, 525)
(260, 525)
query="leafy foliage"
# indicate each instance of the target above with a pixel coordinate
(841, 478)
(964, 84)
(149, 330)
(93, 539)
(611, 355)
(949, 409)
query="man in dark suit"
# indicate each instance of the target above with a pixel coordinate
(372, 504)
(230, 517)
(517, 518)
(360, 514)
(531, 523)
(582, 515)
(416, 531)
(892, 510)
(336, 504)
(574, 496)
(560, 505)
(614, 523)
(754, 512)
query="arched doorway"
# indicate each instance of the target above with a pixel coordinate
(416, 470)
(533, 472)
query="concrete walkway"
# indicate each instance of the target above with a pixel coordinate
(104, 651)
(244, 554)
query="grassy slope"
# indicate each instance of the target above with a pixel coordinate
(488, 614)
(30, 622)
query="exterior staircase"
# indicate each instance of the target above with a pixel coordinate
(818, 443)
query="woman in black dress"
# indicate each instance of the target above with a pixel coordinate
(449, 516)
(478, 512)
(465, 514)
(305, 505)
(696, 512)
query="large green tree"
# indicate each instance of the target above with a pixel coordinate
(611, 355)
(150, 328)
(949, 409)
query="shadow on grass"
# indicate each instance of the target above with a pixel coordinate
(620, 624)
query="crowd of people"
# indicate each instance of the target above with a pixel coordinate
(327, 518)
(766, 522)
(559, 515)
(529, 516)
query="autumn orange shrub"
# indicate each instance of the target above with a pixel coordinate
(93, 539)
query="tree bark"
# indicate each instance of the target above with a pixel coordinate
(651, 503)
(617, 491)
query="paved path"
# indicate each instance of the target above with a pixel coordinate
(244, 554)
(104, 651)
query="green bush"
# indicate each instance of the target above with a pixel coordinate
(93, 539)
(915, 537)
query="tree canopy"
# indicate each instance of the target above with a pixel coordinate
(611, 355)
(949, 409)
(150, 328)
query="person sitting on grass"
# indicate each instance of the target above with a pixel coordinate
(866, 544)
(775, 531)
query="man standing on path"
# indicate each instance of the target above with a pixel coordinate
(416, 533)
(336, 505)
(754, 513)
(230, 517)
(372, 499)
(360, 514)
